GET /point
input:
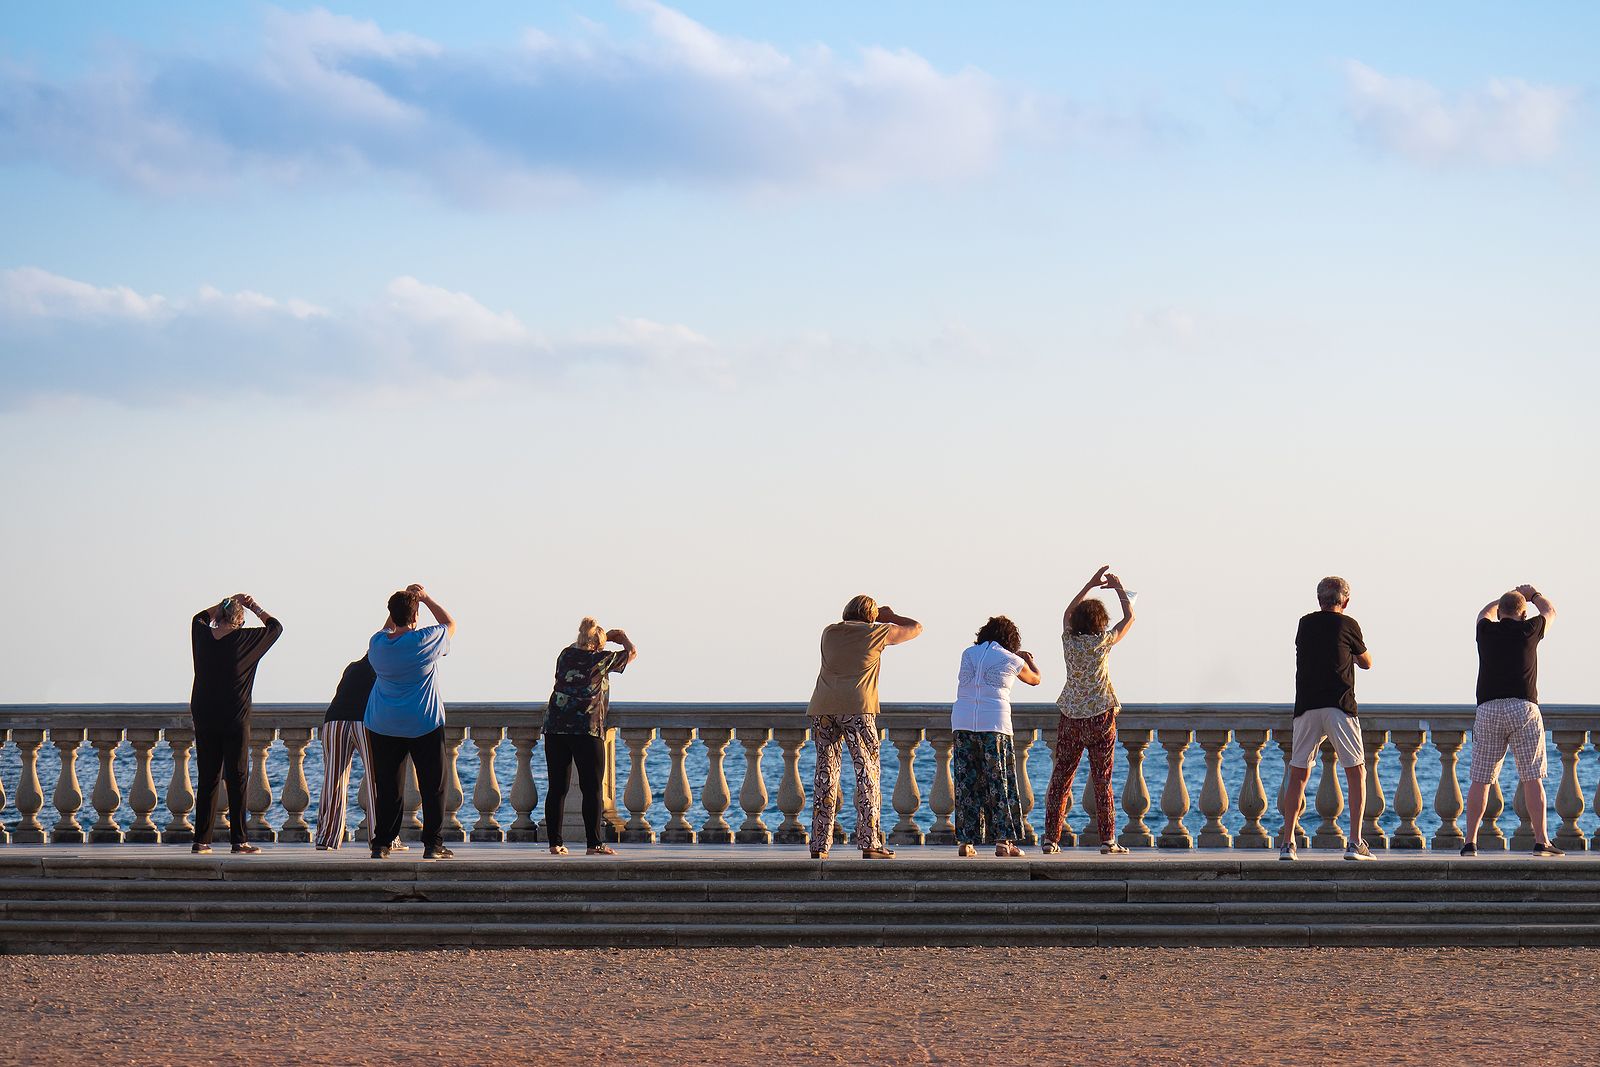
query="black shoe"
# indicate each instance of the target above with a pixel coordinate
(1469, 849)
(437, 852)
(1545, 848)
(381, 853)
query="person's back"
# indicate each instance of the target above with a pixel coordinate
(983, 688)
(225, 671)
(1326, 646)
(847, 683)
(405, 700)
(1508, 658)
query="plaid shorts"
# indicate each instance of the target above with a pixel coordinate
(1503, 723)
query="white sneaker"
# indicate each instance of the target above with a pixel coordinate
(1288, 851)
(1358, 850)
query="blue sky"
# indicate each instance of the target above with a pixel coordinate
(705, 318)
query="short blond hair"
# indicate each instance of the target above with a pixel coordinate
(861, 609)
(1512, 604)
(591, 635)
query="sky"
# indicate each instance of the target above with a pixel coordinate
(703, 319)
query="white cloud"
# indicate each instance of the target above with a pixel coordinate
(1506, 121)
(333, 96)
(61, 337)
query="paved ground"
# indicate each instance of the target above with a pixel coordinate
(806, 1006)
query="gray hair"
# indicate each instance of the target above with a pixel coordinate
(1332, 591)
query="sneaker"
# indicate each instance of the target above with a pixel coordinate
(1049, 848)
(380, 853)
(437, 852)
(1545, 848)
(1469, 849)
(1289, 851)
(1358, 850)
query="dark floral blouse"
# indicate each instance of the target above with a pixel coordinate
(583, 691)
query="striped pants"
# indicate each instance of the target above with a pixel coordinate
(341, 741)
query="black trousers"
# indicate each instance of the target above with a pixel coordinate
(561, 751)
(221, 754)
(389, 783)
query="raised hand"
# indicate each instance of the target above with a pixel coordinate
(416, 590)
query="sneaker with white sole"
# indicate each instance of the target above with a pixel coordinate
(1289, 851)
(1358, 850)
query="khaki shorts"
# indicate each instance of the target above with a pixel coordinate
(1343, 730)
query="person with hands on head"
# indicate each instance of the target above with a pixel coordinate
(1328, 646)
(226, 654)
(988, 805)
(844, 714)
(405, 717)
(1089, 707)
(1508, 713)
(575, 728)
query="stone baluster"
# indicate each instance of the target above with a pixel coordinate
(1522, 837)
(637, 794)
(1284, 739)
(942, 797)
(1447, 798)
(677, 798)
(180, 791)
(753, 790)
(68, 795)
(907, 795)
(142, 796)
(454, 796)
(1214, 793)
(714, 795)
(30, 794)
(1490, 837)
(296, 792)
(1252, 794)
(1330, 801)
(611, 820)
(5, 835)
(791, 788)
(1569, 798)
(105, 796)
(1022, 742)
(411, 798)
(1372, 742)
(486, 790)
(1174, 792)
(1069, 836)
(1135, 791)
(524, 791)
(258, 793)
(1408, 794)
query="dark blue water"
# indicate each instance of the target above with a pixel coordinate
(734, 767)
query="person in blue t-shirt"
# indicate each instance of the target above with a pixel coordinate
(406, 718)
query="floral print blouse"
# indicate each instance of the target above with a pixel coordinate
(583, 691)
(1088, 691)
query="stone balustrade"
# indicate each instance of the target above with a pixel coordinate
(1229, 741)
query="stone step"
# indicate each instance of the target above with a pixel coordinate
(55, 936)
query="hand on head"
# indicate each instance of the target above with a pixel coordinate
(416, 590)
(1527, 590)
(616, 635)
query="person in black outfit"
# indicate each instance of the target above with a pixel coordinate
(1508, 710)
(226, 654)
(575, 728)
(1328, 647)
(343, 735)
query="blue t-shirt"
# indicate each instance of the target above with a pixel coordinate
(404, 700)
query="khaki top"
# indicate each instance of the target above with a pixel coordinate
(847, 684)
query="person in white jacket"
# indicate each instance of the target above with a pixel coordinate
(988, 808)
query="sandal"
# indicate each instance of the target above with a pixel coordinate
(966, 850)
(1049, 848)
(1006, 850)
(558, 850)
(600, 850)
(399, 846)
(1111, 848)
(881, 852)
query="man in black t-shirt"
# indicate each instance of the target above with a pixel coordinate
(1327, 648)
(1508, 710)
(226, 654)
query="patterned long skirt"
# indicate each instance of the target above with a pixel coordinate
(988, 808)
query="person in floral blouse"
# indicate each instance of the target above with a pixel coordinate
(1089, 709)
(575, 727)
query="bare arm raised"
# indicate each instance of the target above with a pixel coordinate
(440, 616)
(622, 639)
(1540, 602)
(904, 629)
(1121, 628)
(1090, 586)
(1029, 675)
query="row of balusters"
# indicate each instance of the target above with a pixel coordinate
(715, 798)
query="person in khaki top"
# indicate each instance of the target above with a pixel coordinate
(844, 710)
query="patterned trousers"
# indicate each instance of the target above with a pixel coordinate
(1099, 736)
(988, 808)
(859, 733)
(341, 741)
